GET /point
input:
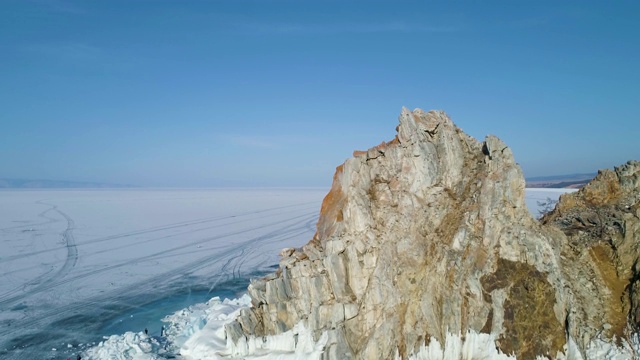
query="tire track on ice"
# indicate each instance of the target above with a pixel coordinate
(41, 214)
(188, 232)
(4, 301)
(155, 229)
(249, 249)
(150, 284)
(41, 282)
(308, 226)
(143, 241)
(70, 243)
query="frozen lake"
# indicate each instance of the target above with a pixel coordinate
(77, 265)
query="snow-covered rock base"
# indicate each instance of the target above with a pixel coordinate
(198, 332)
(480, 346)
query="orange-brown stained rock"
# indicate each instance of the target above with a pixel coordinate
(382, 146)
(619, 300)
(331, 209)
(604, 189)
(530, 324)
(597, 222)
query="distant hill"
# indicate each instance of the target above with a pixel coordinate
(571, 181)
(55, 184)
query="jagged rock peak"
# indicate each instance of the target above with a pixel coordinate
(427, 236)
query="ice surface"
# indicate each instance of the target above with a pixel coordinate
(130, 345)
(536, 196)
(78, 265)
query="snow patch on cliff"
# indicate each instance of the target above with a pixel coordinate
(198, 332)
(479, 346)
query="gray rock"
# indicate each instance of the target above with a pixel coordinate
(429, 233)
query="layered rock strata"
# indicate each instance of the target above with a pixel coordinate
(428, 235)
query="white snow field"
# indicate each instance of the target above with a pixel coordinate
(79, 267)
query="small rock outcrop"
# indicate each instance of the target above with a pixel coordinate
(428, 235)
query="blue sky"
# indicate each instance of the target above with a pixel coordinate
(278, 93)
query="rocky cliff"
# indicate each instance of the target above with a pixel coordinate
(427, 238)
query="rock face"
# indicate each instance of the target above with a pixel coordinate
(429, 235)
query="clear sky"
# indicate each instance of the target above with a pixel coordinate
(278, 93)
